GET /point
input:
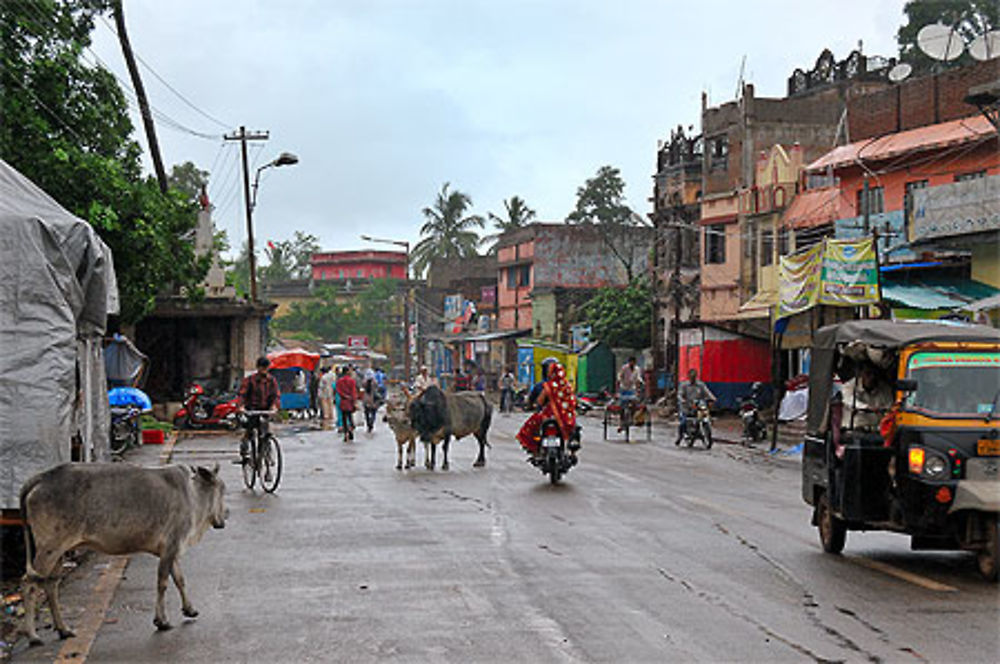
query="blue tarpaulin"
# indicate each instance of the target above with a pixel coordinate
(129, 396)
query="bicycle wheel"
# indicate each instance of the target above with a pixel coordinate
(250, 460)
(271, 464)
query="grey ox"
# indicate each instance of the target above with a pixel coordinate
(437, 417)
(398, 419)
(118, 509)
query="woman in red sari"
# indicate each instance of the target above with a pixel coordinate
(557, 401)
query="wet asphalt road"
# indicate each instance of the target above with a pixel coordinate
(645, 553)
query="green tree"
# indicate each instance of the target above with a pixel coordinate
(448, 233)
(518, 215)
(188, 179)
(289, 259)
(600, 202)
(321, 317)
(65, 126)
(969, 17)
(621, 316)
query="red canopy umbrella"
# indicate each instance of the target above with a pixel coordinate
(295, 358)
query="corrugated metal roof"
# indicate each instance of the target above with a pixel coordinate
(940, 135)
(814, 207)
(934, 293)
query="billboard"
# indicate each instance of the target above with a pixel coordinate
(839, 273)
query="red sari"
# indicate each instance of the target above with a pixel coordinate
(560, 404)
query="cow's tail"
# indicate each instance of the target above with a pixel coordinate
(484, 426)
(29, 538)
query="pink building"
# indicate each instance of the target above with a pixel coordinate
(363, 264)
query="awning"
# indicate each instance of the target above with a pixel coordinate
(934, 293)
(985, 304)
(941, 135)
(759, 306)
(478, 336)
(812, 208)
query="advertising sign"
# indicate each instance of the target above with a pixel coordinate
(798, 281)
(850, 273)
(452, 306)
(840, 273)
(960, 208)
(357, 342)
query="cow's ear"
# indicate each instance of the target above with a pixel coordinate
(206, 474)
(215, 469)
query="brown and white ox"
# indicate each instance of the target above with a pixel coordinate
(118, 509)
(397, 416)
(438, 416)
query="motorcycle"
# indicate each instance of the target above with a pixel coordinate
(521, 398)
(199, 411)
(125, 431)
(554, 456)
(699, 425)
(126, 407)
(754, 428)
(588, 402)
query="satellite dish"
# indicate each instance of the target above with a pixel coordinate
(899, 72)
(939, 42)
(985, 46)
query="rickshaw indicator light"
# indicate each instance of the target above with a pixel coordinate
(943, 495)
(917, 460)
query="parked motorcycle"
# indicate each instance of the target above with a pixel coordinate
(125, 431)
(521, 398)
(201, 412)
(754, 427)
(555, 456)
(699, 425)
(589, 401)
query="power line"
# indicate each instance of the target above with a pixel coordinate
(168, 86)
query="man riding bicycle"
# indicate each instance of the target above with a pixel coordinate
(688, 396)
(259, 391)
(629, 385)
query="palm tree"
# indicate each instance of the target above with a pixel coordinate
(447, 233)
(518, 215)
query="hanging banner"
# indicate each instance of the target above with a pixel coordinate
(839, 273)
(850, 273)
(799, 281)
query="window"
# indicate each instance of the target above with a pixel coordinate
(512, 277)
(524, 275)
(908, 195)
(783, 246)
(875, 201)
(341, 274)
(749, 240)
(719, 156)
(715, 243)
(361, 273)
(975, 175)
(766, 247)
(810, 236)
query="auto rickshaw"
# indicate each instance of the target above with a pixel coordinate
(294, 370)
(930, 468)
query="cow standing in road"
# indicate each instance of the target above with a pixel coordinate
(437, 417)
(118, 509)
(398, 418)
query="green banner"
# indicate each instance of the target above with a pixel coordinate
(850, 273)
(840, 273)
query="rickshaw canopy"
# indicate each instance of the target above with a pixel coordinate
(880, 335)
(294, 359)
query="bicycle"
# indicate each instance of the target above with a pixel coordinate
(263, 457)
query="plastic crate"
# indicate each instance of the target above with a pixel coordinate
(152, 437)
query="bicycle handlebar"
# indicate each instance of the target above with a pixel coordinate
(258, 413)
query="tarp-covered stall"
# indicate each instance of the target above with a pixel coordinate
(57, 287)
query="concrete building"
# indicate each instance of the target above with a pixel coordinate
(545, 272)
(362, 264)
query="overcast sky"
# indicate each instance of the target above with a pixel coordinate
(385, 100)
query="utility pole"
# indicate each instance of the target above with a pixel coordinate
(140, 94)
(243, 136)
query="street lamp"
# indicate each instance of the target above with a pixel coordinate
(284, 159)
(406, 301)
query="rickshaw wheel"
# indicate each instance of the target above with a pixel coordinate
(832, 531)
(987, 558)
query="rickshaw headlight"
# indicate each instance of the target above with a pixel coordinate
(916, 460)
(935, 466)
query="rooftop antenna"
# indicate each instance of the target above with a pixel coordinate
(986, 46)
(739, 81)
(939, 42)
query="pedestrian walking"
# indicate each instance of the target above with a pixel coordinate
(326, 387)
(347, 390)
